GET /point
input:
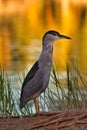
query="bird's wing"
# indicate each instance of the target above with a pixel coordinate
(31, 73)
(28, 77)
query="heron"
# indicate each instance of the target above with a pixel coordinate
(37, 79)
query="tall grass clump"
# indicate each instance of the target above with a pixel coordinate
(66, 90)
(9, 98)
(6, 102)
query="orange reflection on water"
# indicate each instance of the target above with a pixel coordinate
(5, 54)
(25, 21)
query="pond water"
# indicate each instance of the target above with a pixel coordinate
(21, 32)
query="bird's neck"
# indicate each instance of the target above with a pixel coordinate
(47, 49)
(47, 52)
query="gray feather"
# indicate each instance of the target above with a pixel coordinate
(31, 73)
(28, 77)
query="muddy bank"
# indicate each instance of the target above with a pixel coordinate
(75, 119)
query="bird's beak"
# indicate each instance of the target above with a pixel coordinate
(64, 37)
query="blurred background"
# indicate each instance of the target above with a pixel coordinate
(24, 22)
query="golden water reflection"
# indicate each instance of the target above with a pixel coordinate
(22, 28)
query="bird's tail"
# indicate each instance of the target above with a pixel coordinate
(22, 101)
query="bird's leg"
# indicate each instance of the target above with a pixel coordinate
(36, 103)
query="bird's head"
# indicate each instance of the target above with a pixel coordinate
(53, 36)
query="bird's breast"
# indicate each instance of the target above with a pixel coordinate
(45, 63)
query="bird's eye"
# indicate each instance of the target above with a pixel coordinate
(55, 34)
